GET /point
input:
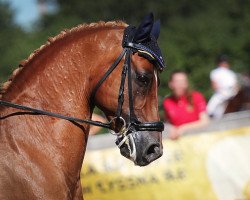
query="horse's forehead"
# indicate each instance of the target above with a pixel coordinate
(142, 64)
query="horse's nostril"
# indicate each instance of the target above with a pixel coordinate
(153, 149)
(151, 153)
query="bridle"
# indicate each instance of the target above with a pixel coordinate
(150, 51)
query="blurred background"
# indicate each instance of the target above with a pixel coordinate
(193, 33)
(210, 166)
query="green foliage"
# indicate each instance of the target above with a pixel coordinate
(193, 33)
(7, 26)
(192, 42)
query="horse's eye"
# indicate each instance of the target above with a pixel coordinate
(143, 80)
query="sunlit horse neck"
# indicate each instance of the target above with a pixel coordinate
(58, 77)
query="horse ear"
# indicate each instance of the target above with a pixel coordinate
(156, 29)
(144, 29)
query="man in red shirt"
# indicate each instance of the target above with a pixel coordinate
(184, 109)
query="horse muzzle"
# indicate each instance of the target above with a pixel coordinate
(142, 142)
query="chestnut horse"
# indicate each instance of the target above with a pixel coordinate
(41, 156)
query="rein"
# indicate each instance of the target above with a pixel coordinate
(52, 114)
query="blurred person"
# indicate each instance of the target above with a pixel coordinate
(184, 109)
(95, 129)
(224, 84)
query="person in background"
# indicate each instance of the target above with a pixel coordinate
(184, 109)
(224, 84)
(95, 129)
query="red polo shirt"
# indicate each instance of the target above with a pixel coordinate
(178, 111)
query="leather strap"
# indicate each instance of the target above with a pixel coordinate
(121, 90)
(52, 114)
(132, 116)
(110, 70)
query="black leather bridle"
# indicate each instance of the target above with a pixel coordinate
(150, 51)
(133, 123)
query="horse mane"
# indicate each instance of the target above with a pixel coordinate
(81, 27)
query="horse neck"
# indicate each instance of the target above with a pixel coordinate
(60, 79)
(62, 76)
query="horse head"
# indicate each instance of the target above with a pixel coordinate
(132, 105)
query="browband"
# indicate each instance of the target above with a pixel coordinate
(148, 48)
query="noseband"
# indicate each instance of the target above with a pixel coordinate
(148, 50)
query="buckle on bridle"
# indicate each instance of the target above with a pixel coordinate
(122, 130)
